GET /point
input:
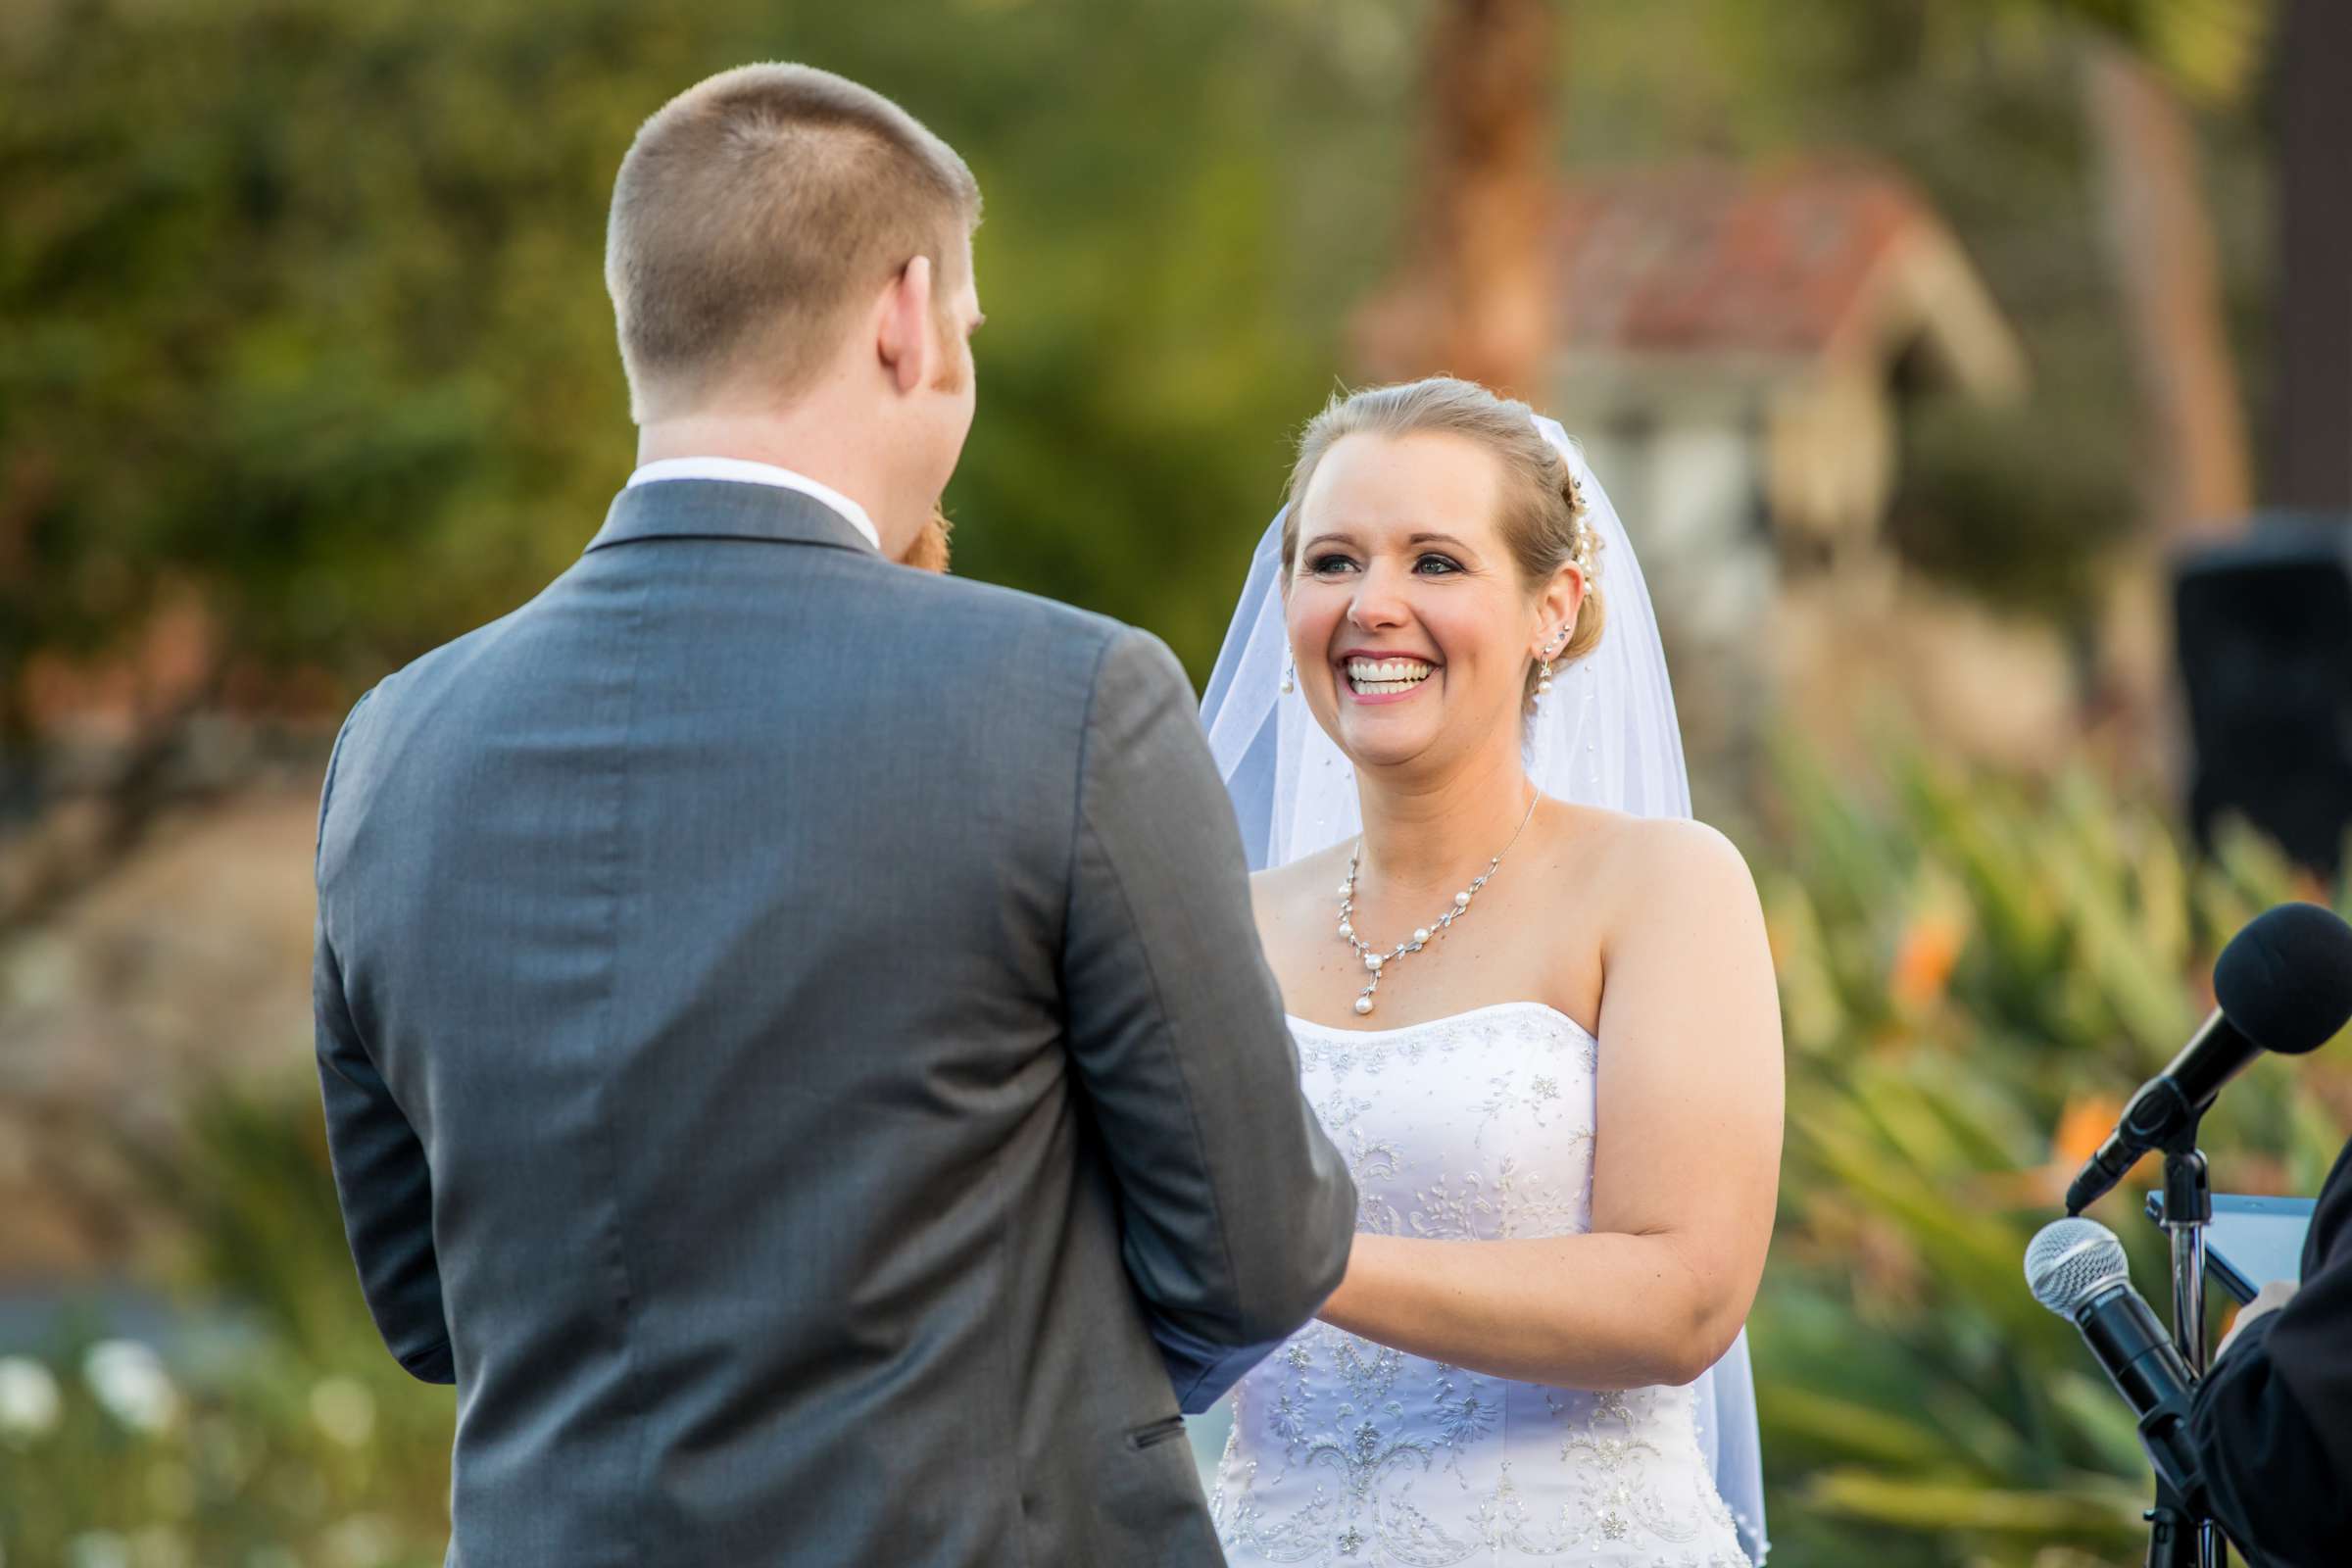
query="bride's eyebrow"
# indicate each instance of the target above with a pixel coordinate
(1437, 539)
(1325, 539)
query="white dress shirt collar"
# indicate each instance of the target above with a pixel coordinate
(740, 470)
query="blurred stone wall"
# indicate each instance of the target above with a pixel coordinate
(185, 962)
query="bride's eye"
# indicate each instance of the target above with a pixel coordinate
(1325, 566)
(1434, 565)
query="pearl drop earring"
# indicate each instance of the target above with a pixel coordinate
(1290, 677)
(1543, 680)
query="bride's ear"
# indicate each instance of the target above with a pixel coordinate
(1559, 606)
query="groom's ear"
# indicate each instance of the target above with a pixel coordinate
(905, 341)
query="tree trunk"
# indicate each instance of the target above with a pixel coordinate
(2194, 464)
(1482, 219)
(2310, 448)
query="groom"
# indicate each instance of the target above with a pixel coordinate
(791, 1026)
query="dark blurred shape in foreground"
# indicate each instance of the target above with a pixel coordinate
(2264, 636)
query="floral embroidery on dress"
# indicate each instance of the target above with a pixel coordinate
(1345, 1453)
(1471, 1207)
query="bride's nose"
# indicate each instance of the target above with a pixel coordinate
(1378, 604)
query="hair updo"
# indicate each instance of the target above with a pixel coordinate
(1542, 513)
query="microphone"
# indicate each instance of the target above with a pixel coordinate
(2283, 984)
(2076, 1269)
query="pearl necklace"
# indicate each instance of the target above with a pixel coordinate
(1375, 962)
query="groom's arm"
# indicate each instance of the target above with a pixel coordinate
(380, 1172)
(1238, 1212)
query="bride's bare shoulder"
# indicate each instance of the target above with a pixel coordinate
(1605, 857)
(1284, 889)
(1663, 862)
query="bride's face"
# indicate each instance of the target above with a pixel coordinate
(1409, 620)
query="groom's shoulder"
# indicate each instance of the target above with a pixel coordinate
(1027, 626)
(426, 676)
(967, 598)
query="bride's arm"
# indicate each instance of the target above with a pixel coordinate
(1687, 1160)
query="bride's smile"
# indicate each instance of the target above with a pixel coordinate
(1377, 678)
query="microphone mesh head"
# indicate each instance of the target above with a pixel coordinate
(2072, 1262)
(2286, 981)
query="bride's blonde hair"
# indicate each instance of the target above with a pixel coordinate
(1542, 513)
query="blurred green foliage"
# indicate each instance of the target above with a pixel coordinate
(1974, 973)
(302, 302)
(304, 306)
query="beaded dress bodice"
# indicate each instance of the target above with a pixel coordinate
(1345, 1453)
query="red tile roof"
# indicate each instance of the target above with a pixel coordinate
(1709, 259)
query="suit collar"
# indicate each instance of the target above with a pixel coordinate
(745, 471)
(720, 509)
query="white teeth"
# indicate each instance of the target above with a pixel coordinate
(1387, 677)
(1396, 673)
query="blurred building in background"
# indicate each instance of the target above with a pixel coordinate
(1740, 349)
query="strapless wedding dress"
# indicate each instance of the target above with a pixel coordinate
(1345, 1453)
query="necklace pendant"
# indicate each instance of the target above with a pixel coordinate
(1374, 961)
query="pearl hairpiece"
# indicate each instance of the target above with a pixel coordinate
(1586, 552)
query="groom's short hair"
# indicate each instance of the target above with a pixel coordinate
(755, 212)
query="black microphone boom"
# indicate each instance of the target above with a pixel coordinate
(2165, 1107)
(2283, 984)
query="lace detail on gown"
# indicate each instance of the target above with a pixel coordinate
(1347, 1452)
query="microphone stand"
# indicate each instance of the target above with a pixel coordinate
(2178, 1539)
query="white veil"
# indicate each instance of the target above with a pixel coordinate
(1605, 736)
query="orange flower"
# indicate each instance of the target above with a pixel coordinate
(2081, 1127)
(1924, 959)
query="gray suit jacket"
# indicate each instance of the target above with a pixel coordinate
(791, 1028)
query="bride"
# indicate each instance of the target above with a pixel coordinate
(1533, 1006)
